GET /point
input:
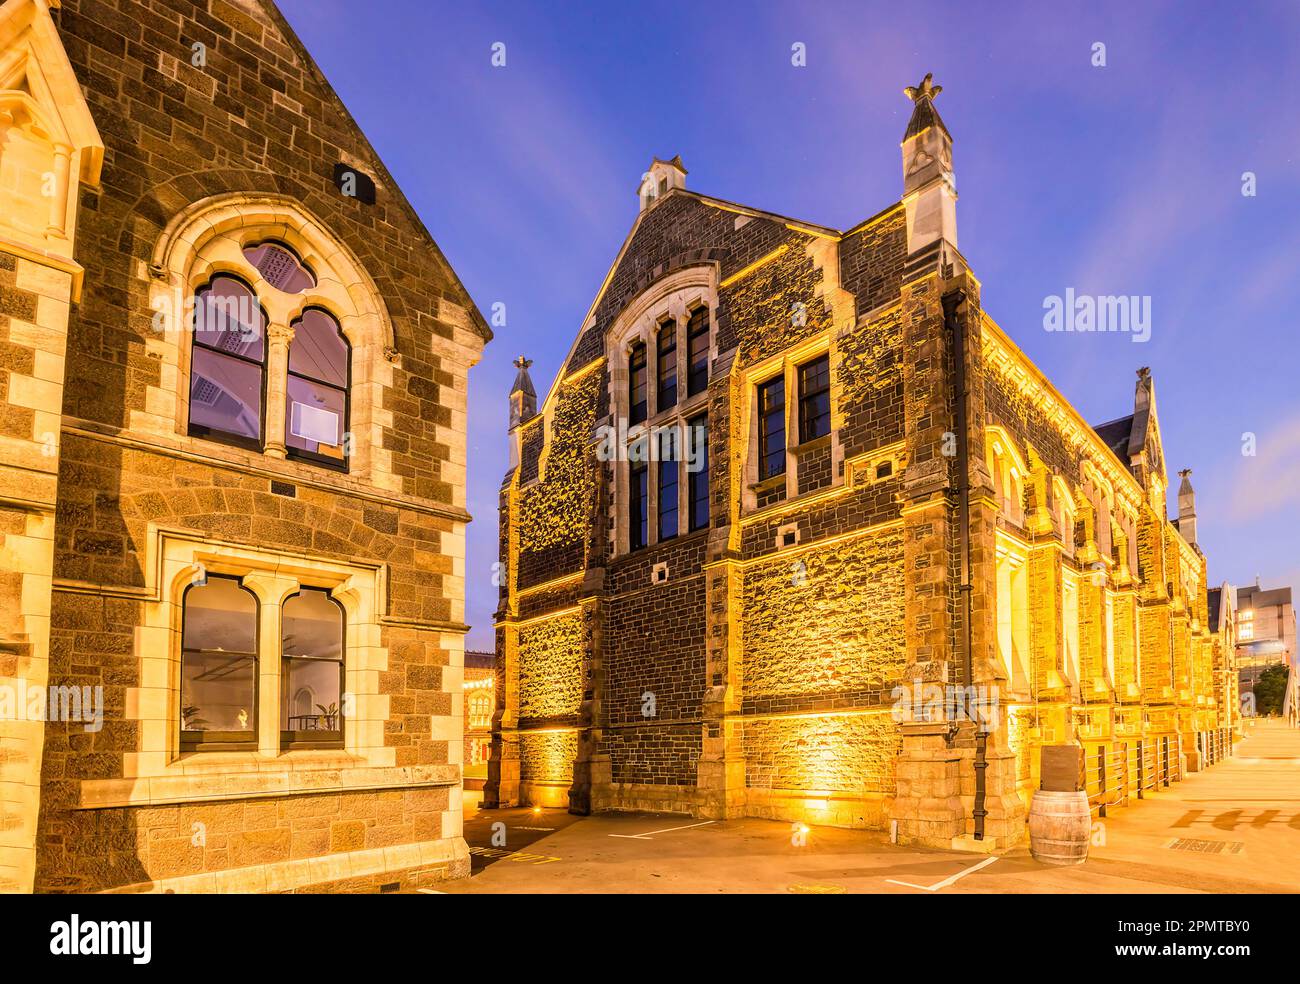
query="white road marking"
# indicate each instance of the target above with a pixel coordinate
(430, 891)
(667, 830)
(947, 881)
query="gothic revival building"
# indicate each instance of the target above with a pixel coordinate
(799, 532)
(233, 372)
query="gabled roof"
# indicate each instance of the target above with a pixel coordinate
(1116, 435)
(36, 65)
(400, 199)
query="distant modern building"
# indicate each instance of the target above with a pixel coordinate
(1265, 636)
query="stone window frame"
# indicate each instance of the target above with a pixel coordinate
(672, 298)
(209, 238)
(1009, 471)
(1071, 655)
(787, 364)
(1067, 514)
(177, 559)
(1012, 610)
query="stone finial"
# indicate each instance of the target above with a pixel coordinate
(1187, 507)
(523, 397)
(1144, 372)
(929, 182)
(923, 91)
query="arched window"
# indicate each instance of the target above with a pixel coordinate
(311, 684)
(480, 709)
(218, 665)
(316, 394)
(228, 369)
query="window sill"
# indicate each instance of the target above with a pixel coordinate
(768, 483)
(298, 773)
(812, 445)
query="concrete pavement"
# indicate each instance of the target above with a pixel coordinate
(1232, 828)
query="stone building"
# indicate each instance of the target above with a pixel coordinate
(480, 703)
(233, 371)
(799, 532)
(1221, 620)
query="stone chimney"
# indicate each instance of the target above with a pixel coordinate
(1187, 507)
(523, 406)
(929, 185)
(662, 178)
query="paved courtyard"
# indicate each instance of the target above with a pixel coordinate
(1233, 828)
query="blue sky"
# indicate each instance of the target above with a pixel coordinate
(1122, 179)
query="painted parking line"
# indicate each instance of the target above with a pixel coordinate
(667, 830)
(524, 857)
(947, 881)
(430, 891)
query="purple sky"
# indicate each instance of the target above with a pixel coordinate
(1125, 179)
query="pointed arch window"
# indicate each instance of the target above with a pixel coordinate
(228, 370)
(311, 687)
(316, 394)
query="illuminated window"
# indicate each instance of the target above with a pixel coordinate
(666, 365)
(480, 709)
(815, 399)
(698, 434)
(218, 693)
(667, 488)
(316, 408)
(636, 373)
(697, 351)
(311, 674)
(228, 364)
(638, 503)
(771, 428)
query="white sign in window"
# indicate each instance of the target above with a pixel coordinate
(314, 424)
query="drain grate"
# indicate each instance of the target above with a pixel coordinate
(1204, 846)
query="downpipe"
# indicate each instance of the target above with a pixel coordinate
(952, 302)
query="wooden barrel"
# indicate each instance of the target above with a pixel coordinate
(1060, 826)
